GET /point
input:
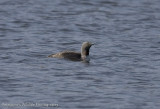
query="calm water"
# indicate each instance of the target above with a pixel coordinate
(124, 71)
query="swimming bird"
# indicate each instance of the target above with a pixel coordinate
(75, 56)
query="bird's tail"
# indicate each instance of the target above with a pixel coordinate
(51, 55)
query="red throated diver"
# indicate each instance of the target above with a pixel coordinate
(75, 56)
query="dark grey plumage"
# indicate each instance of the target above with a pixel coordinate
(75, 56)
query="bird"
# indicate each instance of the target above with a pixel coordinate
(75, 56)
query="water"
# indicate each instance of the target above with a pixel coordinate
(123, 73)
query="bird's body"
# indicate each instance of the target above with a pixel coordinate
(67, 55)
(75, 56)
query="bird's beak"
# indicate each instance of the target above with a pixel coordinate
(92, 44)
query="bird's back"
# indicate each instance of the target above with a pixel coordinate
(75, 56)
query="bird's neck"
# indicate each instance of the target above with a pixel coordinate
(84, 53)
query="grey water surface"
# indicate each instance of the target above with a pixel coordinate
(124, 71)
